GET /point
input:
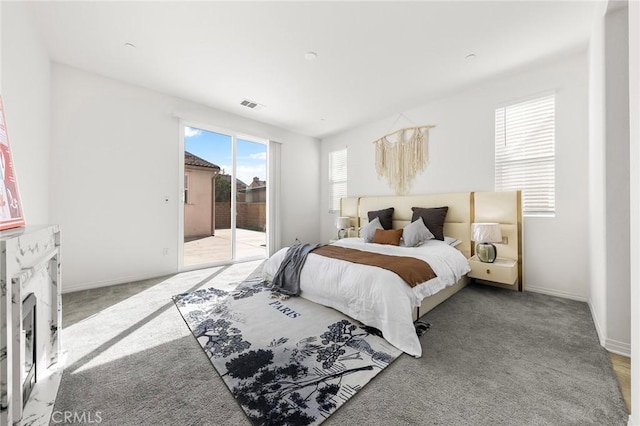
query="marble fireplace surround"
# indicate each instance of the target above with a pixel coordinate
(30, 263)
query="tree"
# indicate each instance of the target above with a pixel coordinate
(223, 187)
(247, 365)
(222, 339)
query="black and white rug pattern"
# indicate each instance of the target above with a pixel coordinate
(287, 362)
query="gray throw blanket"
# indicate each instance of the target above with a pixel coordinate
(287, 278)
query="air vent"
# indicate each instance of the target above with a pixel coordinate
(251, 104)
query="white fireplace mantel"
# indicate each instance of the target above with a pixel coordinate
(29, 263)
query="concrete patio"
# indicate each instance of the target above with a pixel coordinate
(249, 244)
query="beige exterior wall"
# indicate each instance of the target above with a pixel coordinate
(198, 209)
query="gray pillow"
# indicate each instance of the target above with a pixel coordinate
(369, 230)
(416, 233)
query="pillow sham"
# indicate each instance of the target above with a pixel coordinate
(369, 230)
(433, 219)
(391, 236)
(416, 233)
(385, 216)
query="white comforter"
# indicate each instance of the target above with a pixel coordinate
(375, 296)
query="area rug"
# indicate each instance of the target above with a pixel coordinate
(285, 361)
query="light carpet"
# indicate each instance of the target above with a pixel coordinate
(491, 357)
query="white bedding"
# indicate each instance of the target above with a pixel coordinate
(374, 296)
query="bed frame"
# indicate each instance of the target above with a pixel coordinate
(464, 209)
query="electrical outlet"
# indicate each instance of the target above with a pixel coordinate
(165, 251)
(505, 240)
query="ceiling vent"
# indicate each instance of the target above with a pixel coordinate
(251, 104)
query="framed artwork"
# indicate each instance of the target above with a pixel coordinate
(11, 215)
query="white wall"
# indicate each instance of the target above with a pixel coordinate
(26, 94)
(609, 219)
(462, 159)
(617, 179)
(115, 154)
(634, 115)
(597, 181)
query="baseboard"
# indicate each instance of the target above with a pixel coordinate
(556, 293)
(599, 330)
(107, 283)
(619, 348)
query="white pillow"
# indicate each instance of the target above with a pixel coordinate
(369, 230)
(416, 233)
(452, 241)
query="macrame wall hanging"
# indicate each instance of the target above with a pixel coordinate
(401, 155)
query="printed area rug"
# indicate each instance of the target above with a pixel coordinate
(291, 361)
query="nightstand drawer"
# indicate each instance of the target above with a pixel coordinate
(504, 271)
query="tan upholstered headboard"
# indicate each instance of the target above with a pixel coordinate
(505, 208)
(457, 224)
(349, 208)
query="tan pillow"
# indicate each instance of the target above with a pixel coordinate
(392, 236)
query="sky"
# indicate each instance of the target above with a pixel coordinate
(216, 148)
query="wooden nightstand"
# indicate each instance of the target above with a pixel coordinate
(502, 271)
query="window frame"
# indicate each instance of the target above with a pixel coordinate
(337, 156)
(525, 153)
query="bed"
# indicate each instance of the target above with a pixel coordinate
(379, 298)
(385, 301)
(457, 225)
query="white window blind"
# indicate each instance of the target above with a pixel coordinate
(337, 178)
(525, 153)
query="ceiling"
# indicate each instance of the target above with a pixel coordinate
(374, 59)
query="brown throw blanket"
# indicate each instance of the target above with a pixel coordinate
(413, 271)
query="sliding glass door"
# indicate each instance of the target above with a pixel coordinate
(225, 202)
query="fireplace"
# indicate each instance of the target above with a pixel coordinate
(30, 318)
(28, 346)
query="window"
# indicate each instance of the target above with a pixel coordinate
(337, 178)
(525, 153)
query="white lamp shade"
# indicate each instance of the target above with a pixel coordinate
(343, 222)
(486, 233)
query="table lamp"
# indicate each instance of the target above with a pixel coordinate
(484, 234)
(343, 223)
